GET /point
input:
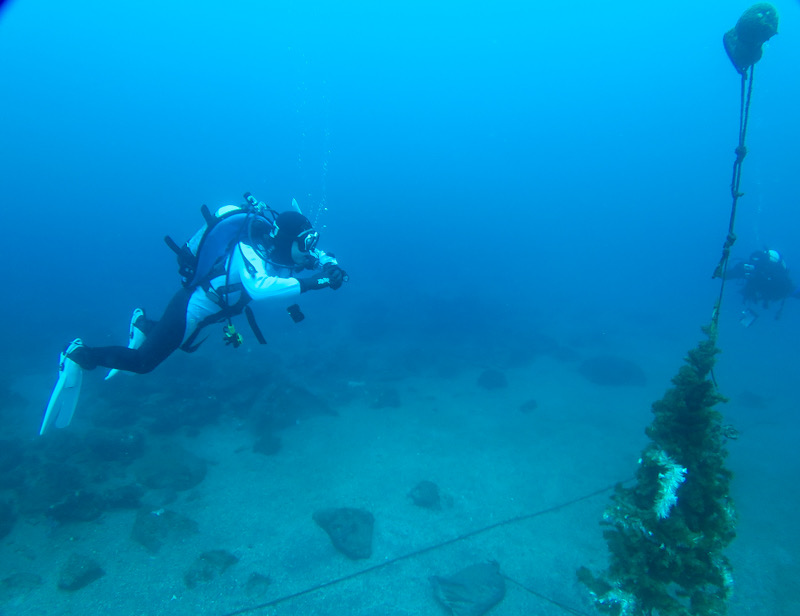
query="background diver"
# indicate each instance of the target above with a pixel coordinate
(765, 279)
(242, 253)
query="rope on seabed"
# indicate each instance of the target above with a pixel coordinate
(431, 548)
(566, 608)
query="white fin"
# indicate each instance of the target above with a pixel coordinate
(135, 338)
(65, 394)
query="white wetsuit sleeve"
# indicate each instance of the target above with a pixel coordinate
(257, 280)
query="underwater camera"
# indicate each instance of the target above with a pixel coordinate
(295, 312)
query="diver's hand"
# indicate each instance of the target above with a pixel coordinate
(331, 276)
(314, 283)
(335, 274)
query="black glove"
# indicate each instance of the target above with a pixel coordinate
(331, 276)
(335, 274)
(314, 283)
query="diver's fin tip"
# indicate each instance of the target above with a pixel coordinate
(66, 392)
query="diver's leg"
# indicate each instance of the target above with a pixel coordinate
(162, 339)
(138, 329)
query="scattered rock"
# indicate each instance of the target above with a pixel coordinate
(123, 446)
(80, 506)
(52, 482)
(79, 571)
(124, 497)
(12, 453)
(613, 371)
(268, 444)
(492, 379)
(159, 499)
(350, 530)
(171, 468)
(208, 566)
(286, 404)
(13, 478)
(257, 584)
(426, 494)
(190, 405)
(529, 406)
(153, 529)
(472, 591)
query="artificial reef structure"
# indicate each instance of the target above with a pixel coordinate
(667, 532)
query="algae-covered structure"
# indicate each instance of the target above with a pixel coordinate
(755, 27)
(667, 532)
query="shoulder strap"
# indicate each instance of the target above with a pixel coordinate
(173, 245)
(210, 219)
(251, 319)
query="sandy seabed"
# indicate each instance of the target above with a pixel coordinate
(491, 461)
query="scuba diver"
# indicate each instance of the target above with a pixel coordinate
(242, 253)
(765, 279)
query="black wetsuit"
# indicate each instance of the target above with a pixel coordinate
(163, 338)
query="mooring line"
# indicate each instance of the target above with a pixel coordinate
(431, 548)
(563, 606)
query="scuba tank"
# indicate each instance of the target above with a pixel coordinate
(203, 255)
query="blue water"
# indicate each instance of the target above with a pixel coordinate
(553, 155)
(483, 171)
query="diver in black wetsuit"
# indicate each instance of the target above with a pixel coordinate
(765, 279)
